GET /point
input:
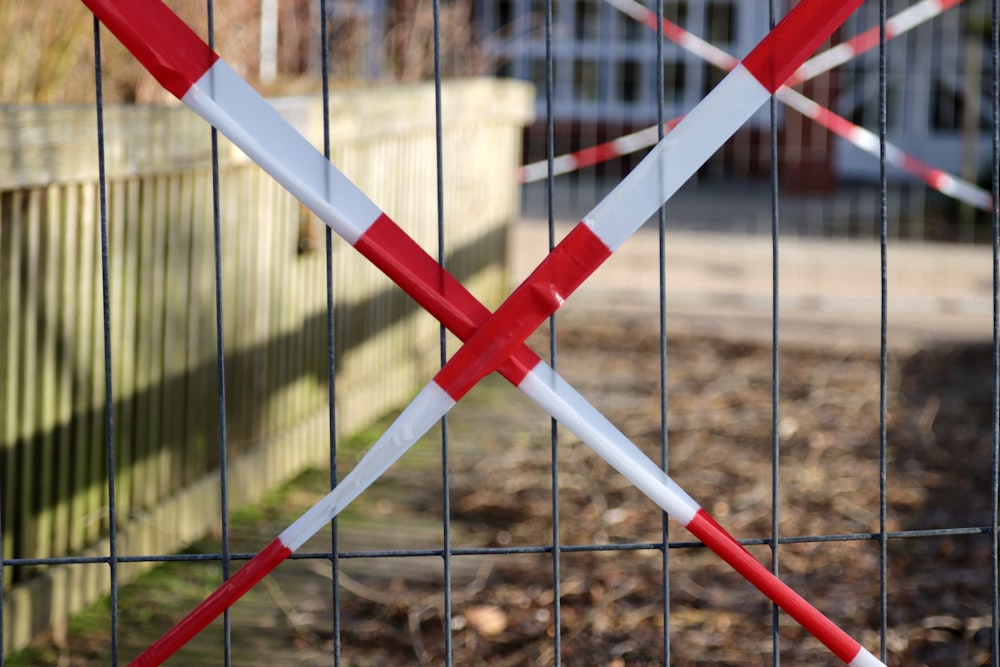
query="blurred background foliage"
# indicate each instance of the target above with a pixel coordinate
(47, 53)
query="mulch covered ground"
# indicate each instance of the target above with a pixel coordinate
(719, 399)
(612, 612)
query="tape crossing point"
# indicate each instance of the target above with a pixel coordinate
(211, 88)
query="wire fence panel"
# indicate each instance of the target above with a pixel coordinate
(827, 398)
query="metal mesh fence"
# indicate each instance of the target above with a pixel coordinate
(586, 97)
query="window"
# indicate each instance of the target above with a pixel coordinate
(948, 109)
(629, 30)
(676, 12)
(674, 81)
(586, 80)
(587, 23)
(720, 22)
(711, 77)
(629, 81)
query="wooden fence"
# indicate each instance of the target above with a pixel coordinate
(52, 454)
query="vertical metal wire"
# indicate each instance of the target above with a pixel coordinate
(554, 425)
(445, 468)
(109, 436)
(661, 220)
(995, 487)
(331, 353)
(220, 360)
(775, 354)
(883, 326)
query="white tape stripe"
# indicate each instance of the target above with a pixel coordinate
(420, 415)
(639, 12)
(864, 658)
(224, 99)
(800, 103)
(868, 141)
(965, 191)
(896, 25)
(675, 159)
(536, 171)
(913, 16)
(562, 165)
(707, 51)
(636, 141)
(696, 45)
(544, 386)
(824, 62)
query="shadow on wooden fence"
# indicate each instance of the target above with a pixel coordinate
(163, 324)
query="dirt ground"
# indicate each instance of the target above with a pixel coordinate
(611, 612)
(720, 451)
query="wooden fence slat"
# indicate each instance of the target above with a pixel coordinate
(142, 228)
(77, 309)
(47, 315)
(273, 325)
(97, 460)
(122, 381)
(30, 379)
(229, 231)
(294, 299)
(175, 362)
(64, 209)
(156, 482)
(257, 396)
(11, 227)
(28, 383)
(206, 457)
(236, 229)
(195, 421)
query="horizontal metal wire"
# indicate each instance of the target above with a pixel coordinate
(505, 551)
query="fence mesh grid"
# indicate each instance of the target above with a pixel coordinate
(557, 549)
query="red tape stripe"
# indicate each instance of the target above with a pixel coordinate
(224, 597)
(164, 44)
(705, 528)
(408, 265)
(794, 39)
(579, 255)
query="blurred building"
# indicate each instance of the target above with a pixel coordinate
(604, 77)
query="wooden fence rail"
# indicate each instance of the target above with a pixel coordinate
(52, 459)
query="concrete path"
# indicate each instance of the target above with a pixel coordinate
(721, 284)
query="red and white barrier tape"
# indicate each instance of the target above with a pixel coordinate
(895, 25)
(190, 70)
(624, 145)
(909, 18)
(867, 141)
(940, 180)
(599, 234)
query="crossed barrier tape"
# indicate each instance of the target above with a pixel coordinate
(856, 135)
(837, 55)
(192, 71)
(896, 25)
